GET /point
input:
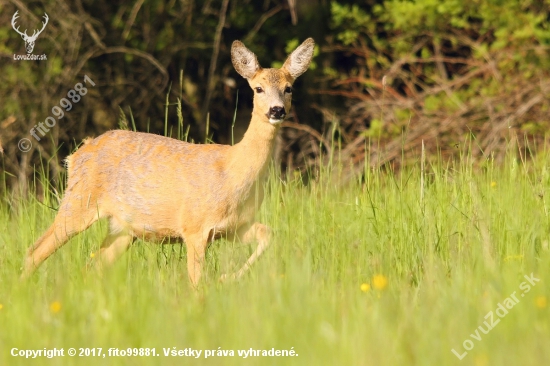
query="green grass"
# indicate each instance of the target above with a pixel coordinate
(448, 260)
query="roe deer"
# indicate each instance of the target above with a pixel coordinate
(154, 187)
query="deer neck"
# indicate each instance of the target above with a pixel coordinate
(253, 152)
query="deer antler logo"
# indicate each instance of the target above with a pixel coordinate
(29, 40)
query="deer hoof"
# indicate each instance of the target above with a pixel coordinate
(227, 277)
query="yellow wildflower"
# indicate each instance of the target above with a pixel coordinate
(365, 287)
(541, 302)
(513, 257)
(92, 255)
(379, 282)
(493, 184)
(55, 307)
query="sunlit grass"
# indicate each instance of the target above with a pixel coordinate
(358, 274)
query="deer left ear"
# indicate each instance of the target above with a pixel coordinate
(298, 61)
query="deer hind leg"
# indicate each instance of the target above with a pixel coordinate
(255, 232)
(70, 220)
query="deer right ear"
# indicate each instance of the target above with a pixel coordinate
(244, 60)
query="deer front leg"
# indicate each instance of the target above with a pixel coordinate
(255, 232)
(114, 245)
(196, 248)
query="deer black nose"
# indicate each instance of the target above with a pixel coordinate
(277, 112)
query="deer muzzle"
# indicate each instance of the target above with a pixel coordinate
(276, 114)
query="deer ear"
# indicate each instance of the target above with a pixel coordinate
(244, 60)
(298, 61)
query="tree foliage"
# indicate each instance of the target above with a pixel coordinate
(390, 71)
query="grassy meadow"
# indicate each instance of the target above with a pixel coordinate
(380, 271)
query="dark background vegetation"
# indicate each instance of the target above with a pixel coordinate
(388, 74)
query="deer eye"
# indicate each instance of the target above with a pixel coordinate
(259, 90)
(288, 90)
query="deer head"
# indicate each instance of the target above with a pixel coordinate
(272, 87)
(29, 40)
